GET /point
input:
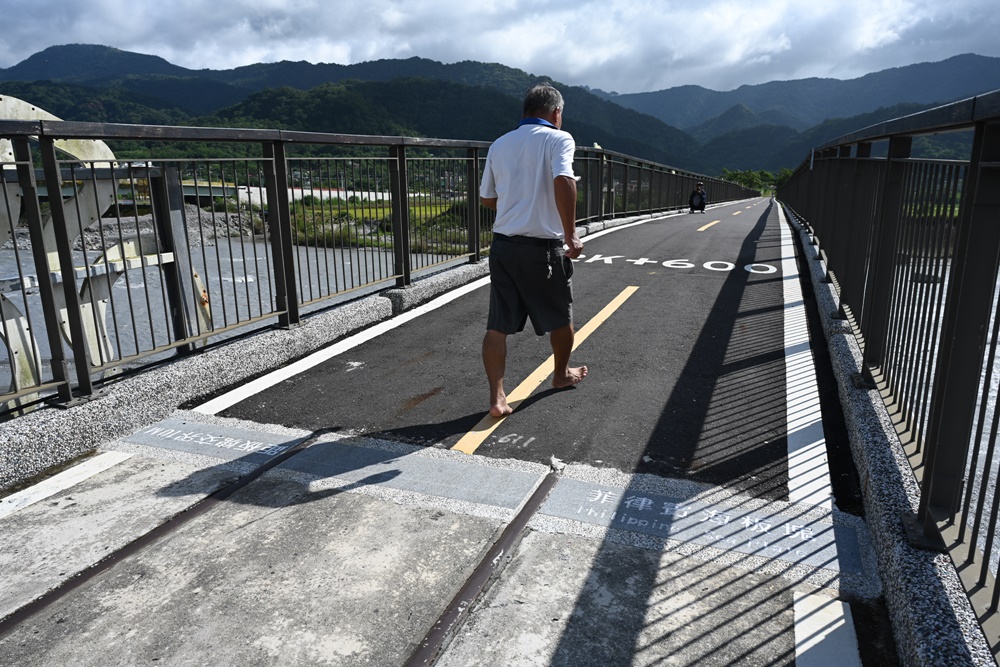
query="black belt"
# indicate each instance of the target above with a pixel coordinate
(529, 240)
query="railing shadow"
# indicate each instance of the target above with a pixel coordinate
(724, 424)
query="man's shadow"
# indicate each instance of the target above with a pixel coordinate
(342, 458)
(231, 480)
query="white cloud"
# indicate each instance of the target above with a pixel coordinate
(623, 45)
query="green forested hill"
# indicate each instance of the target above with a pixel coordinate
(97, 105)
(207, 90)
(307, 75)
(749, 148)
(446, 110)
(82, 63)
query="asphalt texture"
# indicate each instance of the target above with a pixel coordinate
(686, 379)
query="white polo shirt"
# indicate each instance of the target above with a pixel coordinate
(520, 169)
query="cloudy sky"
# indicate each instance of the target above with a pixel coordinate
(621, 45)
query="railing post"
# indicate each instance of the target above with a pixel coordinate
(582, 180)
(78, 336)
(46, 289)
(168, 205)
(598, 184)
(609, 173)
(808, 186)
(824, 216)
(965, 331)
(635, 171)
(837, 235)
(279, 220)
(661, 179)
(875, 316)
(640, 182)
(855, 260)
(400, 214)
(472, 196)
(627, 206)
(595, 195)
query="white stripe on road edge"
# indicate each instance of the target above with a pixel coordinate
(808, 470)
(597, 235)
(824, 628)
(229, 399)
(60, 482)
(87, 469)
(824, 632)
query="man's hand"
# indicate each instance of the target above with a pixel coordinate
(565, 189)
(575, 246)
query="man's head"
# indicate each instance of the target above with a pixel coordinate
(701, 185)
(544, 101)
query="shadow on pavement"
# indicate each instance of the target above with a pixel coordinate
(724, 423)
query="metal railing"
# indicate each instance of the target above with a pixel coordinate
(913, 246)
(141, 258)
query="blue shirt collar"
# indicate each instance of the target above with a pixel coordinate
(536, 121)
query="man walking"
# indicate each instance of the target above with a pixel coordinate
(529, 181)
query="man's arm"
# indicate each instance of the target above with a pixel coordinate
(565, 188)
(489, 202)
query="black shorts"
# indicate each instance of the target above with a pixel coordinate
(529, 278)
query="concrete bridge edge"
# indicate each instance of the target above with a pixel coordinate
(933, 622)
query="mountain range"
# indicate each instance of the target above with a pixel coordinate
(804, 103)
(766, 126)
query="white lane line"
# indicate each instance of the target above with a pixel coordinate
(808, 469)
(597, 235)
(824, 628)
(60, 482)
(233, 397)
(824, 632)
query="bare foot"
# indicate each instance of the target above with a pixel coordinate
(573, 376)
(500, 407)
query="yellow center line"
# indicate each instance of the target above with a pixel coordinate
(471, 441)
(737, 212)
(714, 222)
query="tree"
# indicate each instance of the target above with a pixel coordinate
(782, 177)
(761, 181)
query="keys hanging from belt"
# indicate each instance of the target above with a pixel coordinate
(548, 260)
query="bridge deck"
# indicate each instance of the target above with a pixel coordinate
(692, 519)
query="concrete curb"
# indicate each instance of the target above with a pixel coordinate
(422, 291)
(933, 623)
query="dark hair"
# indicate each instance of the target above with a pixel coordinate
(542, 98)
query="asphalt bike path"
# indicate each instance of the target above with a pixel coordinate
(673, 506)
(674, 387)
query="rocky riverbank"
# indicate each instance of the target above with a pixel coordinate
(203, 229)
